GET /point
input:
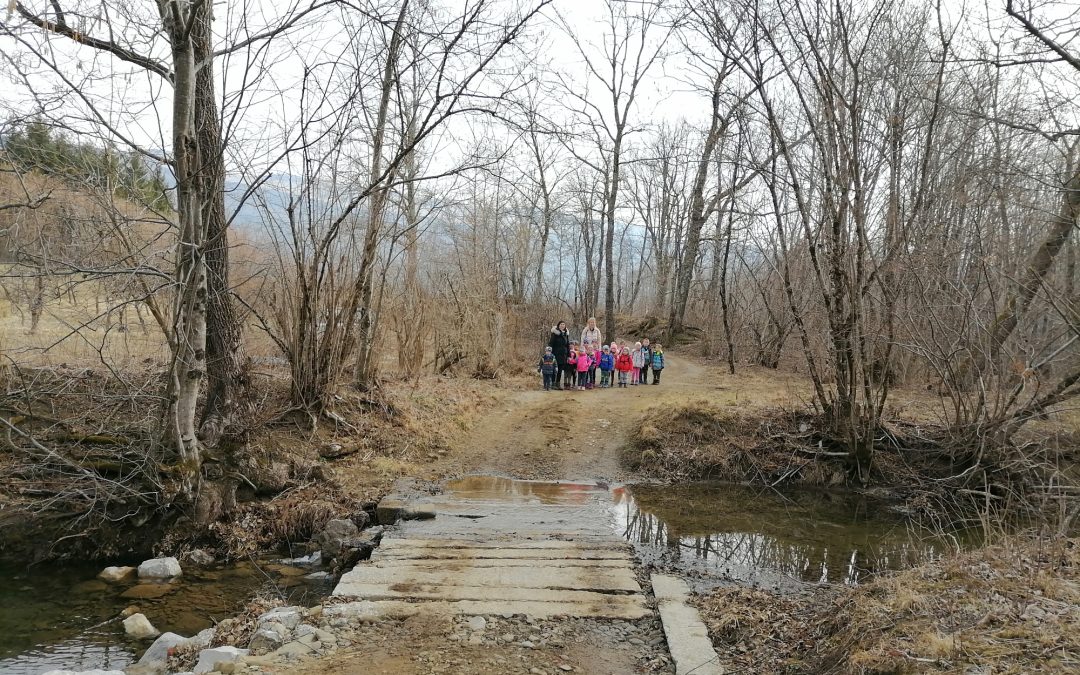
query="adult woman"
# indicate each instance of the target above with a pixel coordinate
(560, 347)
(591, 335)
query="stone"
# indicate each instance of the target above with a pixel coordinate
(307, 560)
(279, 628)
(139, 627)
(159, 651)
(317, 576)
(200, 557)
(116, 574)
(85, 672)
(209, 659)
(265, 640)
(128, 611)
(159, 568)
(289, 616)
(294, 649)
(334, 533)
(476, 623)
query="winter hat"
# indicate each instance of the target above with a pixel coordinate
(637, 345)
(606, 348)
(547, 349)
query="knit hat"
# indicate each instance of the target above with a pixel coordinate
(547, 349)
(606, 348)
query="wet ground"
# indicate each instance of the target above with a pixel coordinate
(52, 617)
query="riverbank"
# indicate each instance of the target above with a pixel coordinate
(1013, 607)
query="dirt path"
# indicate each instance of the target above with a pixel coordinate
(574, 435)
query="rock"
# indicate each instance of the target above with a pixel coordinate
(289, 616)
(159, 568)
(159, 651)
(527, 644)
(294, 649)
(476, 623)
(128, 611)
(85, 672)
(313, 559)
(317, 576)
(209, 659)
(200, 557)
(139, 627)
(279, 628)
(265, 640)
(332, 536)
(115, 574)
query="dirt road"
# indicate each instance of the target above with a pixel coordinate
(577, 435)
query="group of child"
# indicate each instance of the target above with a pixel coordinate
(576, 363)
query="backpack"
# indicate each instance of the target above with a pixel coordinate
(658, 360)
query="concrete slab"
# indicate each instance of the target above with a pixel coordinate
(574, 578)
(431, 592)
(379, 610)
(422, 563)
(391, 544)
(688, 639)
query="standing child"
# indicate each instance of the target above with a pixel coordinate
(607, 367)
(549, 367)
(624, 364)
(594, 361)
(638, 359)
(646, 361)
(657, 363)
(584, 362)
(570, 376)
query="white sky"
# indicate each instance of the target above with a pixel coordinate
(137, 104)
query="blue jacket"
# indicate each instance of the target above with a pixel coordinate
(607, 361)
(658, 360)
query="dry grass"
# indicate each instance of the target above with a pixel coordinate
(1008, 608)
(698, 439)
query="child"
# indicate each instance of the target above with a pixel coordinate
(607, 367)
(594, 361)
(646, 361)
(549, 366)
(657, 363)
(570, 377)
(624, 364)
(584, 362)
(638, 359)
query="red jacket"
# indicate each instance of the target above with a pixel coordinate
(624, 363)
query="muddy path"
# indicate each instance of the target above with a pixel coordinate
(578, 435)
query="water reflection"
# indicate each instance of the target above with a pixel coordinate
(768, 537)
(64, 617)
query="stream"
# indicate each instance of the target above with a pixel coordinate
(711, 533)
(54, 617)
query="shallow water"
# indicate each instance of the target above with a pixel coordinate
(64, 617)
(719, 532)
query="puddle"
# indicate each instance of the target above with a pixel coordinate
(770, 538)
(65, 618)
(717, 532)
(511, 489)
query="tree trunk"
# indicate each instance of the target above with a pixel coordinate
(225, 410)
(189, 339)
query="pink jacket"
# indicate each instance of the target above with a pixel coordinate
(584, 362)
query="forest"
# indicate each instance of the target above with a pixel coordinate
(262, 258)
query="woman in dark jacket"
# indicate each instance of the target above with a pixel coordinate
(560, 347)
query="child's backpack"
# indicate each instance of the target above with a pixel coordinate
(658, 360)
